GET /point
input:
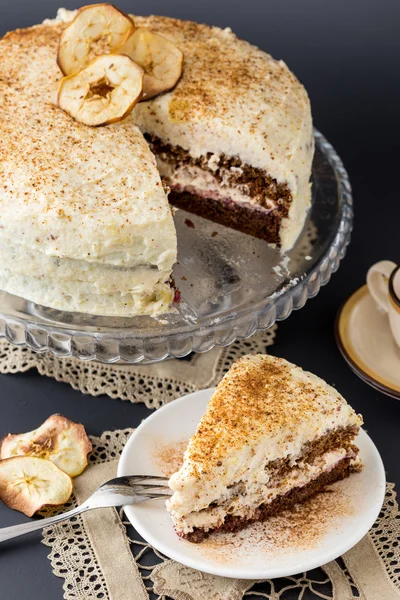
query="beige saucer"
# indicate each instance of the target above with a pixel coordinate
(364, 338)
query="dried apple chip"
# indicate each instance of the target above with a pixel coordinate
(97, 29)
(28, 483)
(103, 93)
(160, 59)
(58, 439)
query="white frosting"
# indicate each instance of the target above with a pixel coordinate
(96, 276)
(63, 16)
(98, 207)
(90, 196)
(150, 297)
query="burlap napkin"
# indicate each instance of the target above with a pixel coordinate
(100, 556)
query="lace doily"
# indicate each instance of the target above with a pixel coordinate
(80, 555)
(152, 384)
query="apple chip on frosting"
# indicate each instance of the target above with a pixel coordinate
(104, 92)
(96, 29)
(159, 57)
(99, 91)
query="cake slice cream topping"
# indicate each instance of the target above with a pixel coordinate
(264, 410)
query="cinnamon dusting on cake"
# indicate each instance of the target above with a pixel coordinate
(260, 396)
(27, 87)
(218, 69)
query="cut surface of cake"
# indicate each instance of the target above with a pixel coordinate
(272, 436)
(85, 223)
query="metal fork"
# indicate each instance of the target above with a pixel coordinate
(116, 492)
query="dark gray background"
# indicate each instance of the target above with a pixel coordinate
(347, 53)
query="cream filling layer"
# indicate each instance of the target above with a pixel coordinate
(194, 179)
(245, 505)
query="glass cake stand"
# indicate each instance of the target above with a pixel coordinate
(231, 285)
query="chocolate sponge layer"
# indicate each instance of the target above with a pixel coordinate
(269, 201)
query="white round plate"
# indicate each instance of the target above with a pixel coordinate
(276, 548)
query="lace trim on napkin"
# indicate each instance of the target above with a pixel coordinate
(154, 385)
(73, 559)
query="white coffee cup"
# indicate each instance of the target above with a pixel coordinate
(383, 280)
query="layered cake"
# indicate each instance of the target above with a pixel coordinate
(272, 436)
(85, 223)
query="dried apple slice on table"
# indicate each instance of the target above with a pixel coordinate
(28, 483)
(58, 440)
(103, 93)
(97, 29)
(160, 59)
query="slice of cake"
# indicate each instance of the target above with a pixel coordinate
(234, 138)
(272, 435)
(85, 223)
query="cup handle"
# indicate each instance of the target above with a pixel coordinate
(377, 281)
